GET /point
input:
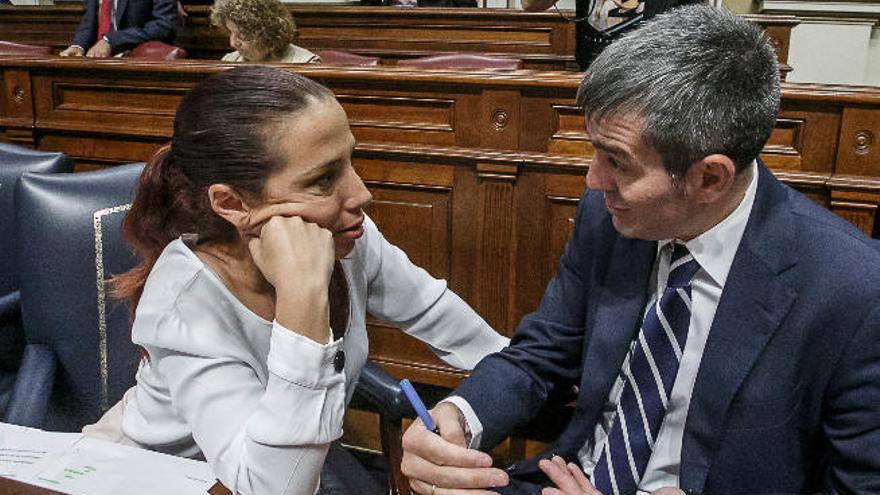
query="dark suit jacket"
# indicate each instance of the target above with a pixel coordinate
(137, 21)
(787, 398)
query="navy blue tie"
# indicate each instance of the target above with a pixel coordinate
(648, 375)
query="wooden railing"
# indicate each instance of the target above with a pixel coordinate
(543, 40)
(475, 175)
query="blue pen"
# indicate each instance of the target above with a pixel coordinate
(418, 405)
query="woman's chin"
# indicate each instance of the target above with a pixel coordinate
(343, 246)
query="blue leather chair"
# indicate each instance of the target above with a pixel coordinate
(14, 161)
(79, 358)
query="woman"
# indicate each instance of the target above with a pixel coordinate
(260, 31)
(252, 231)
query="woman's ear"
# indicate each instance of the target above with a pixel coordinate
(229, 205)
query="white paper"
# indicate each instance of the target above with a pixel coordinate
(74, 464)
(23, 449)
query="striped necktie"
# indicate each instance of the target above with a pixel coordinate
(648, 375)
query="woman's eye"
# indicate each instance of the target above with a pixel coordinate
(325, 181)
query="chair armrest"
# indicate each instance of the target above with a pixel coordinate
(10, 307)
(383, 392)
(33, 387)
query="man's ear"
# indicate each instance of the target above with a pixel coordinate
(711, 178)
(229, 205)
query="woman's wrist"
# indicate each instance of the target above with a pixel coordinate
(306, 312)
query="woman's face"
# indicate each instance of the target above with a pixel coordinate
(318, 180)
(248, 50)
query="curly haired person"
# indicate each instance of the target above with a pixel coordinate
(260, 31)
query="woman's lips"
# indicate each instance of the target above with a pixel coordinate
(353, 232)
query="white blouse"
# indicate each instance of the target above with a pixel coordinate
(259, 402)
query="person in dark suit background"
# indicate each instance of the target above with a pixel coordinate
(598, 22)
(776, 381)
(122, 26)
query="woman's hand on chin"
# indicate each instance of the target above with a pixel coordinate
(294, 255)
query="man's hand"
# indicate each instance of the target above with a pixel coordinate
(568, 478)
(438, 464)
(72, 51)
(101, 49)
(571, 480)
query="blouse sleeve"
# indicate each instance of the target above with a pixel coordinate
(258, 439)
(404, 294)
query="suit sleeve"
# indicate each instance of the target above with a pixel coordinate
(852, 421)
(160, 27)
(545, 352)
(87, 30)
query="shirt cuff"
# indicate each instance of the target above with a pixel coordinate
(472, 423)
(301, 360)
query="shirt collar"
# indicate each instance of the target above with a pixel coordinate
(715, 249)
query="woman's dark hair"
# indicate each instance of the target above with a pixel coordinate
(223, 134)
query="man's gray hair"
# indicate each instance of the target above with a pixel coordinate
(704, 80)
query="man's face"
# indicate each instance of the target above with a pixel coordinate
(639, 192)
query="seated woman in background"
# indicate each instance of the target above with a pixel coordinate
(260, 31)
(259, 267)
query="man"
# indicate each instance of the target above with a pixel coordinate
(721, 328)
(110, 27)
(598, 22)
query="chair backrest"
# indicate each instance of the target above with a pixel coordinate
(14, 161)
(156, 50)
(70, 244)
(339, 57)
(462, 61)
(10, 48)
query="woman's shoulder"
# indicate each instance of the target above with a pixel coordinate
(184, 304)
(179, 278)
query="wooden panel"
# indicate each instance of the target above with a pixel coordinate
(569, 136)
(17, 106)
(401, 118)
(859, 150)
(42, 25)
(543, 40)
(416, 219)
(475, 175)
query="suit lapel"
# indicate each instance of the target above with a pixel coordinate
(612, 322)
(753, 305)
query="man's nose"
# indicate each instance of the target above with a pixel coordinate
(597, 176)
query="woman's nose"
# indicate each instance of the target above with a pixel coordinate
(359, 195)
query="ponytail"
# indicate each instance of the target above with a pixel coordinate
(166, 206)
(144, 227)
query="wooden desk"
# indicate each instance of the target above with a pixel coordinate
(543, 40)
(475, 175)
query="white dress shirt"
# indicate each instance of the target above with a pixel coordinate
(714, 250)
(259, 402)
